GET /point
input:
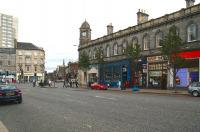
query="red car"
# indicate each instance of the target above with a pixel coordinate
(99, 86)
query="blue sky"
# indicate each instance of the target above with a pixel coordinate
(54, 24)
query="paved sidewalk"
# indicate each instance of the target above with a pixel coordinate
(153, 91)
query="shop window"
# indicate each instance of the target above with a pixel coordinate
(192, 32)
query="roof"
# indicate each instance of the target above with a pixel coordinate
(27, 46)
(85, 25)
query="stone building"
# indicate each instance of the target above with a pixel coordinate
(148, 34)
(7, 63)
(30, 62)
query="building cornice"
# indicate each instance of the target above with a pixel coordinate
(168, 18)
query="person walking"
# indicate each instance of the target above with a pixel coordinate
(34, 82)
(76, 82)
(64, 84)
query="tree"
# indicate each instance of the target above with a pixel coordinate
(84, 62)
(171, 46)
(133, 52)
(100, 60)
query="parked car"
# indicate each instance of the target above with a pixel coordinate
(10, 93)
(99, 86)
(194, 89)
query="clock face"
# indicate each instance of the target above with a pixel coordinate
(83, 34)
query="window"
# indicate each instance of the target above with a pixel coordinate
(108, 51)
(9, 63)
(27, 68)
(159, 38)
(124, 46)
(94, 54)
(146, 42)
(90, 55)
(115, 48)
(134, 42)
(192, 32)
(35, 67)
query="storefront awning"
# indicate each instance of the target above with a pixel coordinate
(190, 54)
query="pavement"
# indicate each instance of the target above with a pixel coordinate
(152, 91)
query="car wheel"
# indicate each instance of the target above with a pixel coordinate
(195, 93)
(19, 101)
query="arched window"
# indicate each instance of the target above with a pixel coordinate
(146, 42)
(159, 38)
(108, 51)
(192, 33)
(134, 42)
(115, 49)
(90, 54)
(124, 46)
(94, 54)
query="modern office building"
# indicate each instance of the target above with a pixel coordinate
(154, 71)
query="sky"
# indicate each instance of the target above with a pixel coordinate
(54, 24)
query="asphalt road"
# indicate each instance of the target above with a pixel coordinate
(82, 110)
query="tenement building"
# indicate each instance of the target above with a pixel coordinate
(153, 71)
(30, 62)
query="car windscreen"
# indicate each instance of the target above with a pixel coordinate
(7, 87)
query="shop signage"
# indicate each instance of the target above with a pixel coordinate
(155, 73)
(155, 58)
(144, 68)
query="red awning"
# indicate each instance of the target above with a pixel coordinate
(190, 54)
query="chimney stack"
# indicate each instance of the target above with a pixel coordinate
(189, 3)
(109, 29)
(142, 16)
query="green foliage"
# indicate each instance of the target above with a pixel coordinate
(171, 43)
(84, 62)
(133, 52)
(100, 56)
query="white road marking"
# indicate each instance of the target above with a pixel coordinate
(105, 97)
(3, 127)
(89, 126)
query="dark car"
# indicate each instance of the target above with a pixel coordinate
(99, 86)
(194, 89)
(10, 93)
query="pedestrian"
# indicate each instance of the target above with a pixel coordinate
(34, 82)
(70, 83)
(76, 82)
(64, 84)
(49, 83)
(119, 84)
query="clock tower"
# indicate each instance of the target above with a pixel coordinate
(85, 33)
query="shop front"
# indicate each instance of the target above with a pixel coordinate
(115, 72)
(157, 72)
(191, 71)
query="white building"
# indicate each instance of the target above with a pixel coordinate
(8, 31)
